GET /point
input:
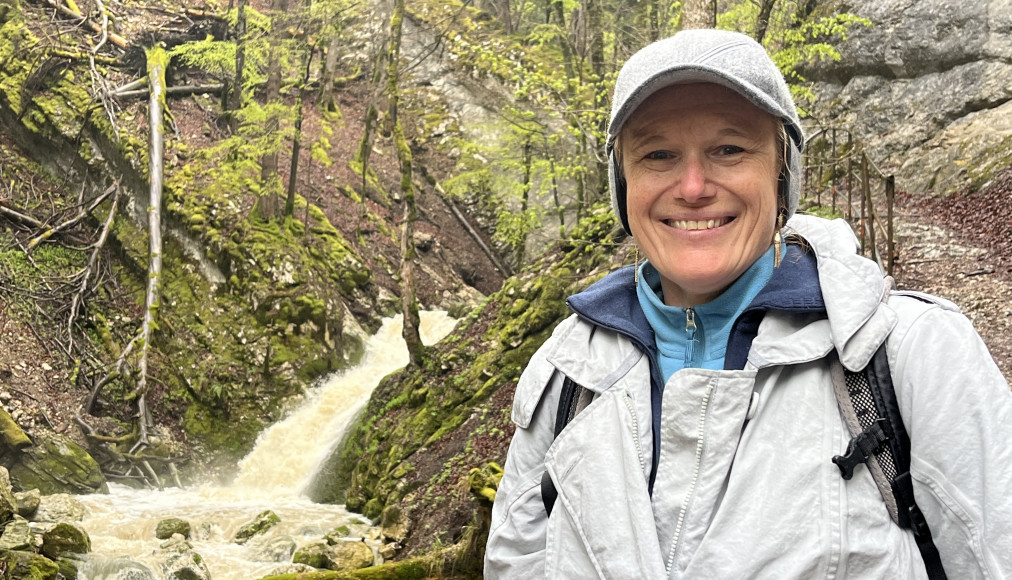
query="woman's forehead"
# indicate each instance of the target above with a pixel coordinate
(676, 102)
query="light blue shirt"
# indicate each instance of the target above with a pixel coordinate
(697, 337)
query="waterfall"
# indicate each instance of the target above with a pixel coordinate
(122, 523)
(288, 454)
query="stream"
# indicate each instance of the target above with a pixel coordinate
(273, 476)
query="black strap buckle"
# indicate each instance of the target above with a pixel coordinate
(861, 448)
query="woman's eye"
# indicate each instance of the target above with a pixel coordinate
(730, 150)
(658, 155)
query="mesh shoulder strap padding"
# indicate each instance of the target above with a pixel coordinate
(572, 400)
(868, 403)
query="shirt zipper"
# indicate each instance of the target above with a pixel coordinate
(690, 337)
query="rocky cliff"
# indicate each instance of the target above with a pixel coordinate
(928, 87)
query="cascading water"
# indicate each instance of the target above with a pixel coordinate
(122, 524)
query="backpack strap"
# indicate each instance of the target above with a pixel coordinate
(867, 400)
(572, 400)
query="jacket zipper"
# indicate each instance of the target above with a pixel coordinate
(690, 337)
(636, 430)
(700, 444)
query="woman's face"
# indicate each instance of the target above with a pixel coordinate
(701, 169)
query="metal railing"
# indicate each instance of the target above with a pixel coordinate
(838, 168)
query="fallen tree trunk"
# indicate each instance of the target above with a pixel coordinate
(157, 61)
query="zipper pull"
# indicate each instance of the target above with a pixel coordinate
(690, 336)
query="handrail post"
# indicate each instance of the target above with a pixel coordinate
(890, 197)
(850, 177)
(865, 197)
(871, 219)
(832, 175)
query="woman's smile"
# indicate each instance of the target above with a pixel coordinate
(701, 169)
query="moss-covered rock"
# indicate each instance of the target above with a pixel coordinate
(27, 565)
(264, 521)
(65, 538)
(55, 464)
(165, 528)
(8, 502)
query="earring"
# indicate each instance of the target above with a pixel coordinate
(636, 267)
(778, 241)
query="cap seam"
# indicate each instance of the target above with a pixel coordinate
(717, 50)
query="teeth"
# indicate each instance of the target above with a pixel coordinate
(696, 224)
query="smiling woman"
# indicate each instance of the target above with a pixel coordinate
(701, 173)
(681, 423)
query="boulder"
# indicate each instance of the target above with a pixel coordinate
(271, 548)
(316, 555)
(343, 555)
(55, 464)
(116, 569)
(17, 535)
(351, 555)
(182, 563)
(12, 437)
(395, 524)
(65, 538)
(28, 502)
(264, 521)
(60, 507)
(167, 527)
(8, 503)
(27, 566)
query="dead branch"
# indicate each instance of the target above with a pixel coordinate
(156, 80)
(85, 275)
(81, 214)
(95, 27)
(19, 217)
(181, 90)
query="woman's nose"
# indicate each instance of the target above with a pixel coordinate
(693, 183)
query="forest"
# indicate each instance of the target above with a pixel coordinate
(210, 209)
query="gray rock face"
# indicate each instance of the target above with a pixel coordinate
(181, 561)
(918, 86)
(28, 502)
(59, 507)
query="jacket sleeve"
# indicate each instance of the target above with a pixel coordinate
(516, 541)
(957, 409)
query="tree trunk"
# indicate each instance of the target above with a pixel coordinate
(409, 300)
(326, 99)
(297, 141)
(269, 178)
(763, 22)
(157, 61)
(235, 96)
(699, 14)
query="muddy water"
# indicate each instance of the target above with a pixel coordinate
(273, 476)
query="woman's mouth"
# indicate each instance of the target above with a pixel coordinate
(697, 224)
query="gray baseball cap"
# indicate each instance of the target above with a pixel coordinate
(727, 58)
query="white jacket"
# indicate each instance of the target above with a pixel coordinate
(760, 498)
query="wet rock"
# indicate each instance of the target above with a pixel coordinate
(55, 464)
(343, 555)
(8, 504)
(182, 562)
(271, 548)
(389, 550)
(337, 534)
(291, 569)
(60, 507)
(263, 522)
(351, 555)
(12, 437)
(65, 538)
(27, 566)
(28, 502)
(116, 569)
(316, 555)
(167, 527)
(69, 565)
(395, 524)
(17, 535)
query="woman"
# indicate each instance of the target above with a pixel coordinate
(705, 450)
